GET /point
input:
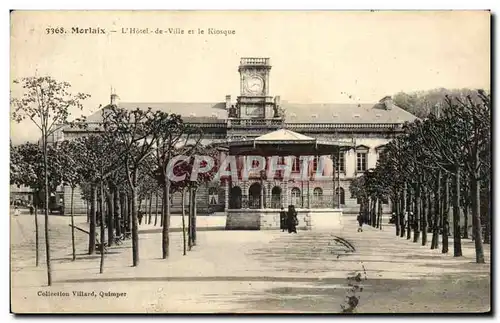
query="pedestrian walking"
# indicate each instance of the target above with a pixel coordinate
(283, 216)
(292, 220)
(140, 214)
(360, 222)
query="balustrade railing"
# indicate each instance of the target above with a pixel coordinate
(254, 61)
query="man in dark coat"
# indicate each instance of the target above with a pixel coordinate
(282, 219)
(292, 220)
(360, 222)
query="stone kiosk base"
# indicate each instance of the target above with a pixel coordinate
(268, 219)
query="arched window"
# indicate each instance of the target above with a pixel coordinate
(342, 195)
(276, 197)
(213, 196)
(317, 194)
(296, 197)
(254, 192)
(235, 198)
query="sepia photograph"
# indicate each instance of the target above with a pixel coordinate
(250, 162)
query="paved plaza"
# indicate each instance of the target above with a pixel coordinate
(248, 271)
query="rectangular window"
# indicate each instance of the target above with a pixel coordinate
(315, 163)
(361, 164)
(340, 163)
(296, 165)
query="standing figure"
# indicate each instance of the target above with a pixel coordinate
(32, 209)
(360, 222)
(292, 220)
(16, 211)
(283, 216)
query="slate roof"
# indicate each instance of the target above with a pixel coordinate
(294, 112)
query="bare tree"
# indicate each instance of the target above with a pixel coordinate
(46, 102)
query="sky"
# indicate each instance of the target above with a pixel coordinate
(316, 56)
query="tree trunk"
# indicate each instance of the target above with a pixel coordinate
(410, 218)
(395, 209)
(165, 218)
(457, 231)
(416, 213)
(93, 220)
(135, 223)
(103, 231)
(126, 212)
(156, 207)
(88, 211)
(426, 204)
(37, 235)
(487, 224)
(111, 218)
(466, 221)
(118, 212)
(163, 206)
(403, 211)
(150, 207)
(47, 193)
(183, 212)
(72, 223)
(437, 208)
(476, 220)
(130, 210)
(193, 221)
(190, 217)
(444, 215)
(379, 210)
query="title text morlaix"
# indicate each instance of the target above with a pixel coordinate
(91, 30)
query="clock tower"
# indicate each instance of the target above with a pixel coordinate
(254, 101)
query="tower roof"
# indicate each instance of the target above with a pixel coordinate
(284, 134)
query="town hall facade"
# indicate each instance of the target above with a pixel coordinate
(256, 112)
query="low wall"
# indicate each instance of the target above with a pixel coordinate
(211, 221)
(269, 219)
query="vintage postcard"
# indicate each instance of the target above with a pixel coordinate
(250, 162)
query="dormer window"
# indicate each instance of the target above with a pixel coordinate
(314, 115)
(355, 115)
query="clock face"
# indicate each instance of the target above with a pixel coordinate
(254, 84)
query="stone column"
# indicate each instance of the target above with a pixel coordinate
(268, 195)
(226, 196)
(308, 195)
(285, 195)
(244, 195)
(333, 182)
(262, 190)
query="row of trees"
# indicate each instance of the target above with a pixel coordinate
(438, 164)
(129, 151)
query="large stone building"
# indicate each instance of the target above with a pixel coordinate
(256, 112)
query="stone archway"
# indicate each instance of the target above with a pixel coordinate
(276, 202)
(235, 198)
(254, 192)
